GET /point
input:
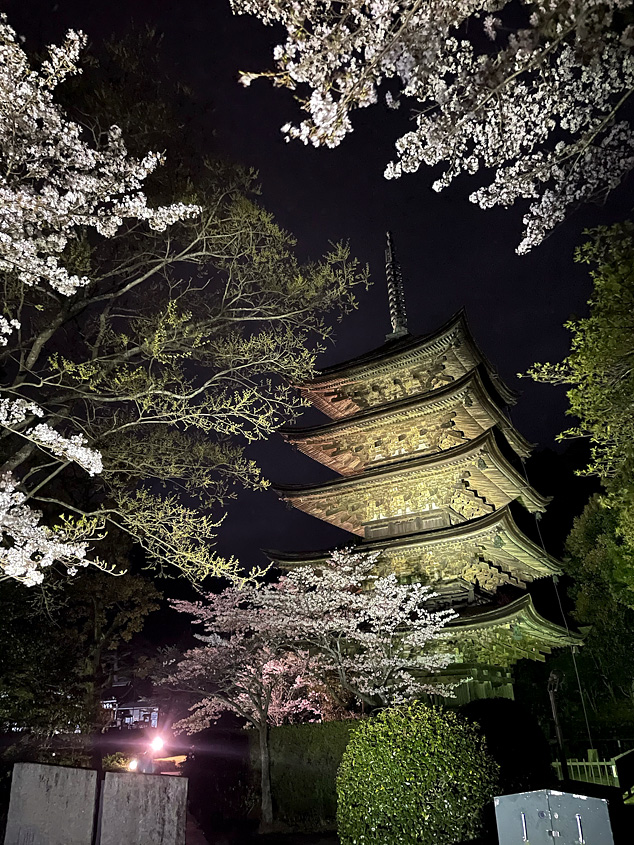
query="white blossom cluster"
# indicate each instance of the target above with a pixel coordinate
(54, 180)
(375, 636)
(6, 328)
(28, 547)
(373, 633)
(71, 448)
(13, 412)
(247, 676)
(51, 179)
(535, 103)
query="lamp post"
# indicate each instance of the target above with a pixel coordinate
(553, 686)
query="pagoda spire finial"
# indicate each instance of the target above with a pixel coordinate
(396, 296)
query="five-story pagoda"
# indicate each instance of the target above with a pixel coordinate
(429, 470)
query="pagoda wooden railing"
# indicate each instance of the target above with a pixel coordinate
(618, 771)
(591, 771)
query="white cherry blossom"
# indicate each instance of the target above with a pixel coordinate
(54, 181)
(29, 547)
(375, 636)
(535, 101)
(267, 646)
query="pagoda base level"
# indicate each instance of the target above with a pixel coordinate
(474, 682)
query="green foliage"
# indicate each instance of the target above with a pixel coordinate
(602, 567)
(186, 344)
(413, 774)
(600, 376)
(59, 649)
(599, 369)
(304, 763)
(39, 687)
(601, 563)
(117, 762)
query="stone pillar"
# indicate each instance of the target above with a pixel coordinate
(51, 805)
(143, 809)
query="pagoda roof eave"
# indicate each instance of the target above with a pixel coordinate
(502, 518)
(506, 634)
(485, 441)
(409, 344)
(521, 610)
(472, 378)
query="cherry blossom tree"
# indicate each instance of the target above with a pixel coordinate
(53, 182)
(269, 649)
(533, 91)
(53, 179)
(242, 669)
(143, 342)
(374, 636)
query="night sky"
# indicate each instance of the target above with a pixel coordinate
(452, 254)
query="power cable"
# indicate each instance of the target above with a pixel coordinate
(565, 621)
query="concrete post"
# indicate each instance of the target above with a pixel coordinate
(51, 805)
(143, 809)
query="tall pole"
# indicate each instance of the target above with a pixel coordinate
(395, 293)
(553, 686)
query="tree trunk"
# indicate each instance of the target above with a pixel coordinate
(265, 778)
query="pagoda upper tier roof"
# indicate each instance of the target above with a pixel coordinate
(402, 367)
(490, 551)
(506, 634)
(466, 481)
(421, 424)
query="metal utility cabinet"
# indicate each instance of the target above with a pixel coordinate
(547, 817)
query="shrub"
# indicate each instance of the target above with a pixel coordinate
(117, 762)
(413, 774)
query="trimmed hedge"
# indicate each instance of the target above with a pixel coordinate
(416, 775)
(304, 763)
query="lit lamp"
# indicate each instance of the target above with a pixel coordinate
(145, 764)
(157, 744)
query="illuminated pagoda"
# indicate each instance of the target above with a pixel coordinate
(430, 472)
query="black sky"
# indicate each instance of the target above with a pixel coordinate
(452, 253)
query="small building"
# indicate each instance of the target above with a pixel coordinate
(431, 473)
(128, 709)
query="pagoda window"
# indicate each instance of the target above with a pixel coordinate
(402, 526)
(437, 520)
(383, 527)
(375, 532)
